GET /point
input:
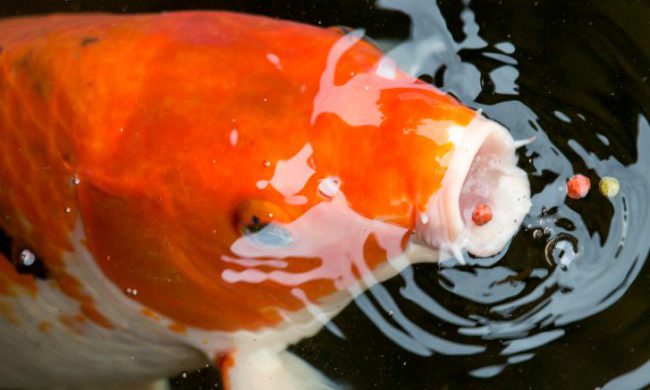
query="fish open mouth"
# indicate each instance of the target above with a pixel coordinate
(482, 171)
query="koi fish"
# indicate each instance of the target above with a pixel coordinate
(211, 187)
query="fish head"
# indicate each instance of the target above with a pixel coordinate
(229, 208)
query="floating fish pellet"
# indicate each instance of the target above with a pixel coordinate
(578, 186)
(609, 186)
(482, 214)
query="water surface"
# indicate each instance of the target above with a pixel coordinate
(567, 305)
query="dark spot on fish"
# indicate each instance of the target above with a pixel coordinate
(67, 157)
(85, 41)
(25, 61)
(36, 72)
(16, 255)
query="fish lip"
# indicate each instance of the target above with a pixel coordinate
(444, 225)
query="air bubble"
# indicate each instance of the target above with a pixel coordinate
(562, 250)
(67, 210)
(267, 163)
(75, 180)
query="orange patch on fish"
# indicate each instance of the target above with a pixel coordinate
(9, 314)
(178, 327)
(10, 279)
(151, 314)
(74, 322)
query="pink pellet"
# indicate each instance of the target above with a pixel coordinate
(578, 186)
(482, 214)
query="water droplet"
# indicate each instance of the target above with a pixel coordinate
(75, 180)
(27, 257)
(262, 184)
(267, 163)
(329, 186)
(67, 210)
(562, 250)
(234, 137)
(132, 291)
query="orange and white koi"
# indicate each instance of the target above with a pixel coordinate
(197, 187)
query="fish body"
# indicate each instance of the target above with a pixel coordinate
(211, 187)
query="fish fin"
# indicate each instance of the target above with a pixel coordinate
(269, 369)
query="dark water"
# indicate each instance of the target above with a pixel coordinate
(568, 304)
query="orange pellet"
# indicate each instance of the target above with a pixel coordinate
(482, 214)
(578, 186)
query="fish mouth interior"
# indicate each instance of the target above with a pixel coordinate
(482, 170)
(495, 180)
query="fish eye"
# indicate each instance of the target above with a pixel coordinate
(258, 220)
(255, 225)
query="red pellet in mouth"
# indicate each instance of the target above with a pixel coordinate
(482, 214)
(578, 186)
